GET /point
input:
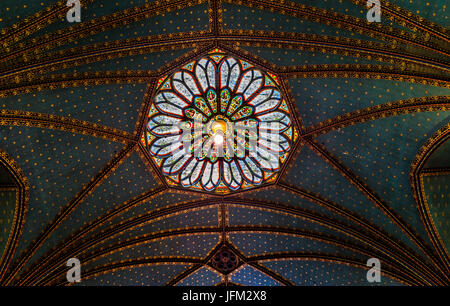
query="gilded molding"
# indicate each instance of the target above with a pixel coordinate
(22, 199)
(390, 109)
(372, 196)
(70, 207)
(416, 175)
(346, 22)
(48, 121)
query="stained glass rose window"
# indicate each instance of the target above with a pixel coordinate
(219, 124)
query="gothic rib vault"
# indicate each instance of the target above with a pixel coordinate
(365, 170)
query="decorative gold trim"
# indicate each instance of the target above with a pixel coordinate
(334, 259)
(22, 201)
(383, 206)
(26, 118)
(64, 213)
(416, 173)
(347, 22)
(390, 109)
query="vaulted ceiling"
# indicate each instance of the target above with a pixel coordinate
(368, 176)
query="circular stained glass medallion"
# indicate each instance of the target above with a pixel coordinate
(219, 124)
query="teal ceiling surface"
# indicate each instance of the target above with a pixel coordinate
(387, 172)
(14, 11)
(437, 196)
(247, 275)
(319, 273)
(203, 277)
(366, 176)
(61, 166)
(285, 57)
(143, 62)
(322, 179)
(81, 104)
(155, 275)
(319, 100)
(8, 200)
(435, 11)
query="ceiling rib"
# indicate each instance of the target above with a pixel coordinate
(326, 258)
(400, 250)
(378, 202)
(34, 271)
(261, 38)
(395, 108)
(100, 177)
(332, 18)
(130, 264)
(26, 118)
(98, 25)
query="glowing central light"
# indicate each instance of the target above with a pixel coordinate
(219, 129)
(219, 125)
(218, 138)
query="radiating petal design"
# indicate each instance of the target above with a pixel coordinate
(206, 74)
(169, 103)
(211, 176)
(278, 121)
(245, 128)
(229, 73)
(266, 159)
(246, 124)
(211, 97)
(164, 149)
(243, 112)
(267, 100)
(251, 81)
(232, 175)
(274, 142)
(250, 171)
(225, 96)
(193, 113)
(163, 125)
(176, 162)
(185, 85)
(206, 148)
(235, 104)
(192, 172)
(201, 104)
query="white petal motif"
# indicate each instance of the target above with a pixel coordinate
(267, 100)
(232, 176)
(229, 73)
(251, 81)
(185, 85)
(169, 103)
(211, 176)
(176, 162)
(192, 172)
(205, 72)
(250, 171)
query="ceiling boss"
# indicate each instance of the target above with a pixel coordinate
(219, 124)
